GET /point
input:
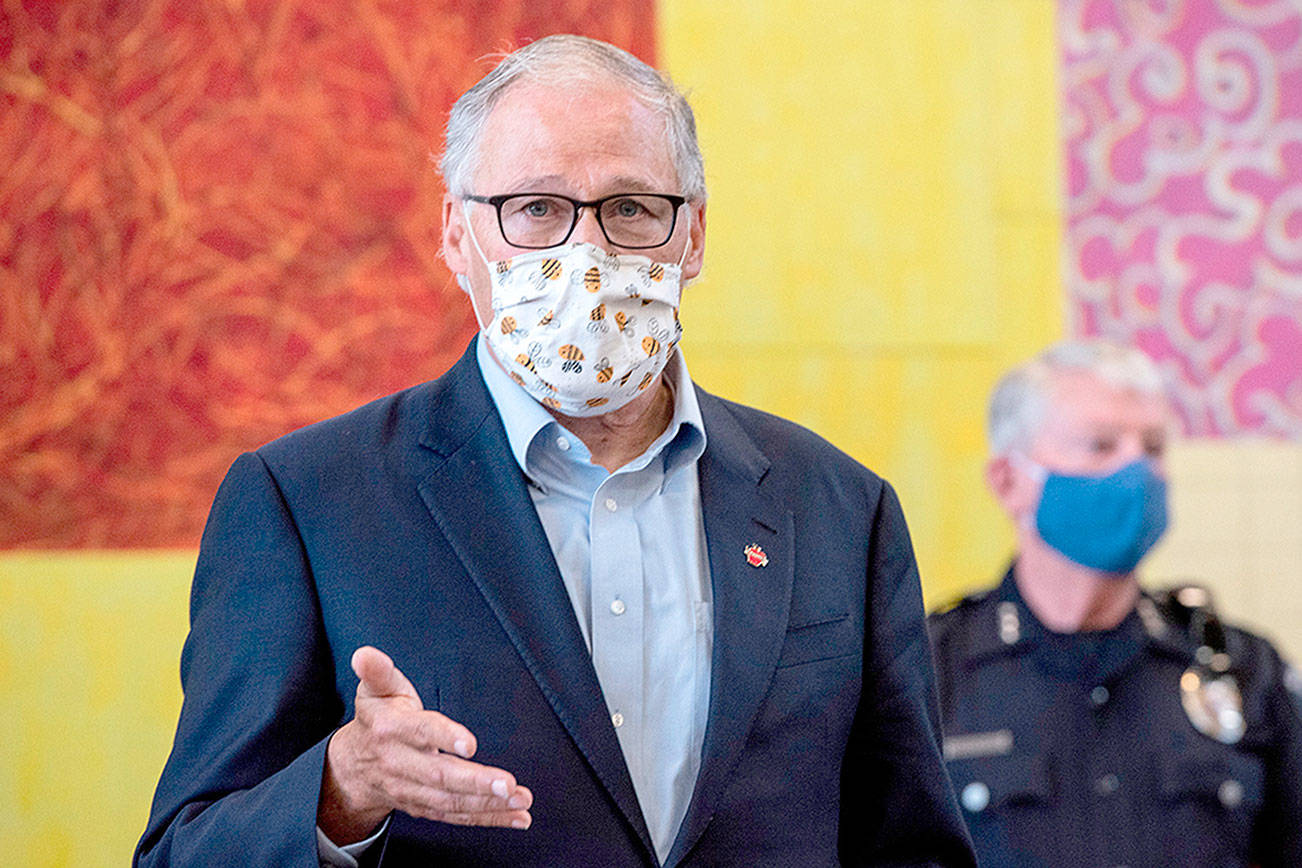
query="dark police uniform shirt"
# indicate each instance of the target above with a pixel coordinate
(1075, 749)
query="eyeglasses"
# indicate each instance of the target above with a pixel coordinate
(629, 220)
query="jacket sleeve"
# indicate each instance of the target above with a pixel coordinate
(898, 805)
(243, 779)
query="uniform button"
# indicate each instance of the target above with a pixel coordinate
(617, 607)
(975, 797)
(1230, 793)
(611, 504)
(617, 719)
(1099, 695)
(562, 444)
(1107, 785)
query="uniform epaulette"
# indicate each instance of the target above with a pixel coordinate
(961, 602)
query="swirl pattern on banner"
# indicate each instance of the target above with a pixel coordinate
(1183, 128)
(219, 222)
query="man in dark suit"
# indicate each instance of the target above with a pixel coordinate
(559, 606)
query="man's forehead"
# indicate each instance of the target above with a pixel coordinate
(1084, 401)
(560, 137)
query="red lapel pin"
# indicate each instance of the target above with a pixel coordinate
(755, 556)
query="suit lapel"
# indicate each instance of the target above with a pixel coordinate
(478, 497)
(751, 603)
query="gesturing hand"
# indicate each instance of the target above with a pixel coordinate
(395, 755)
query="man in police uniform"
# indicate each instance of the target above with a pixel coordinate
(1087, 722)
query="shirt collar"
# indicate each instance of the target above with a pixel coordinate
(525, 420)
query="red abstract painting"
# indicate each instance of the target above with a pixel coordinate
(218, 222)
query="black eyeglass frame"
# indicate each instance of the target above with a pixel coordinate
(579, 205)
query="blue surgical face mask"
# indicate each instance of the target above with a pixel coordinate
(1107, 523)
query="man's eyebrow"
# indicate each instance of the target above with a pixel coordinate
(559, 183)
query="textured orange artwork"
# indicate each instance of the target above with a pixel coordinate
(218, 222)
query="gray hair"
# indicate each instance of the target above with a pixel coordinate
(1020, 401)
(566, 58)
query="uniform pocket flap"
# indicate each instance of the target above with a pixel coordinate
(995, 781)
(1232, 779)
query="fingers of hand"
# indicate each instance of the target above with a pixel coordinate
(412, 758)
(392, 722)
(452, 790)
(378, 677)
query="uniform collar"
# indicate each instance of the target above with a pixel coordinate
(531, 429)
(1010, 627)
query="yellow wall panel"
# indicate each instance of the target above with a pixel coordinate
(883, 232)
(89, 656)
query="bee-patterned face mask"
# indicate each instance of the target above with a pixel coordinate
(582, 330)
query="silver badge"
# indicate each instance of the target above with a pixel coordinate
(1213, 703)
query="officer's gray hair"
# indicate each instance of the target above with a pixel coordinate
(569, 59)
(1020, 401)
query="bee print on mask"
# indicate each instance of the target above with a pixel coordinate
(597, 320)
(650, 345)
(592, 279)
(548, 269)
(533, 359)
(604, 371)
(654, 272)
(624, 321)
(509, 327)
(572, 356)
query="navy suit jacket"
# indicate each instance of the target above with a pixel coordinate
(406, 524)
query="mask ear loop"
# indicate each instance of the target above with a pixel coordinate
(463, 280)
(1036, 471)
(688, 245)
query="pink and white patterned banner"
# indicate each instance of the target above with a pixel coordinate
(1182, 121)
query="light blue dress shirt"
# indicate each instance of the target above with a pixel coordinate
(630, 546)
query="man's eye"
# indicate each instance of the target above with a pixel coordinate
(627, 209)
(1155, 447)
(537, 208)
(1102, 445)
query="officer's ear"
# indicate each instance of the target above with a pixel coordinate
(1009, 487)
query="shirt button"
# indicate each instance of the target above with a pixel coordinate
(1107, 785)
(975, 797)
(611, 505)
(617, 607)
(1230, 794)
(617, 719)
(1099, 695)
(563, 444)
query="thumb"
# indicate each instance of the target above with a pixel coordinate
(379, 678)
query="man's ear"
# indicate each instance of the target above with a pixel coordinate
(1001, 479)
(696, 253)
(1013, 490)
(455, 238)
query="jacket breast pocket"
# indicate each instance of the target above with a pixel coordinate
(823, 639)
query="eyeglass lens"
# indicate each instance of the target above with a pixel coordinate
(628, 221)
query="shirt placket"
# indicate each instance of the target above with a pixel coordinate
(618, 623)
